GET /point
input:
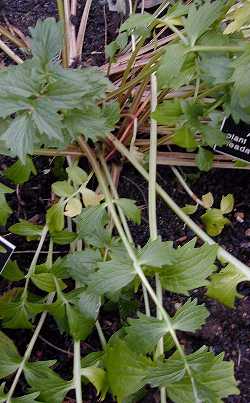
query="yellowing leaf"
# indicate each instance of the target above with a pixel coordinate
(73, 208)
(240, 17)
(227, 204)
(208, 200)
(90, 198)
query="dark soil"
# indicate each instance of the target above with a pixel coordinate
(226, 329)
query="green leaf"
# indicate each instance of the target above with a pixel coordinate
(111, 276)
(227, 203)
(63, 237)
(240, 17)
(213, 378)
(77, 175)
(190, 209)
(47, 39)
(55, 218)
(91, 224)
(10, 358)
(79, 326)
(19, 173)
(208, 200)
(46, 282)
(131, 211)
(62, 189)
(241, 80)
(200, 18)
(98, 377)
(126, 370)
(41, 378)
(11, 104)
(183, 137)
(81, 264)
(138, 24)
(168, 113)
(189, 269)
(212, 135)
(144, 333)
(5, 209)
(46, 119)
(12, 272)
(171, 64)
(214, 221)
(5, 189)
(30, 398)
(92, 359)
(156, 253)
(223, 285)
(204, 159)
(14, 314)
(27, 229)
(216, 69)
(19, 137)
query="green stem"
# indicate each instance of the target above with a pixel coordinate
(125, 224)
(152, 206)
(77, 371)
(35, 334)
(233, 49)
(221, 253)
(130, 250)
(35, 259)
(60, 9)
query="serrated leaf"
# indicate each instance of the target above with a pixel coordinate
(212, 135)
(190, 209)
(55, 217)
(14, 314)
(41, 378)
(12, 271)
(171, 64)
(91, 224)
(213, 378)
(126, 370)
(144, 333)
(9, 356)
(111, 276)
(47, 39)
(208, 200)
(201, 17)
(27, 229)
(47, 120)
(214, 221)
(91, 198)
(204, 159)
(223, 285)
(19, 173)
(227, 203)
(131, 211)
(5, 210)
(98, 377)
(156, 253)
(63, 237)
(81, 264)
(183, 137)
(79, 326)
(62, 189)
(168, 113)
(20, 136)
(189, 269)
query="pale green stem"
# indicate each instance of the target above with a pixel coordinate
(35, 259)
(186, 187)
(216, 49)
(221, 253)
(77, 371)
(35, 334)
(137, 267)
(152, 206)
(124, 223)
(10, 53)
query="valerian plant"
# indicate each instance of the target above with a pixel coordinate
(45, 105)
